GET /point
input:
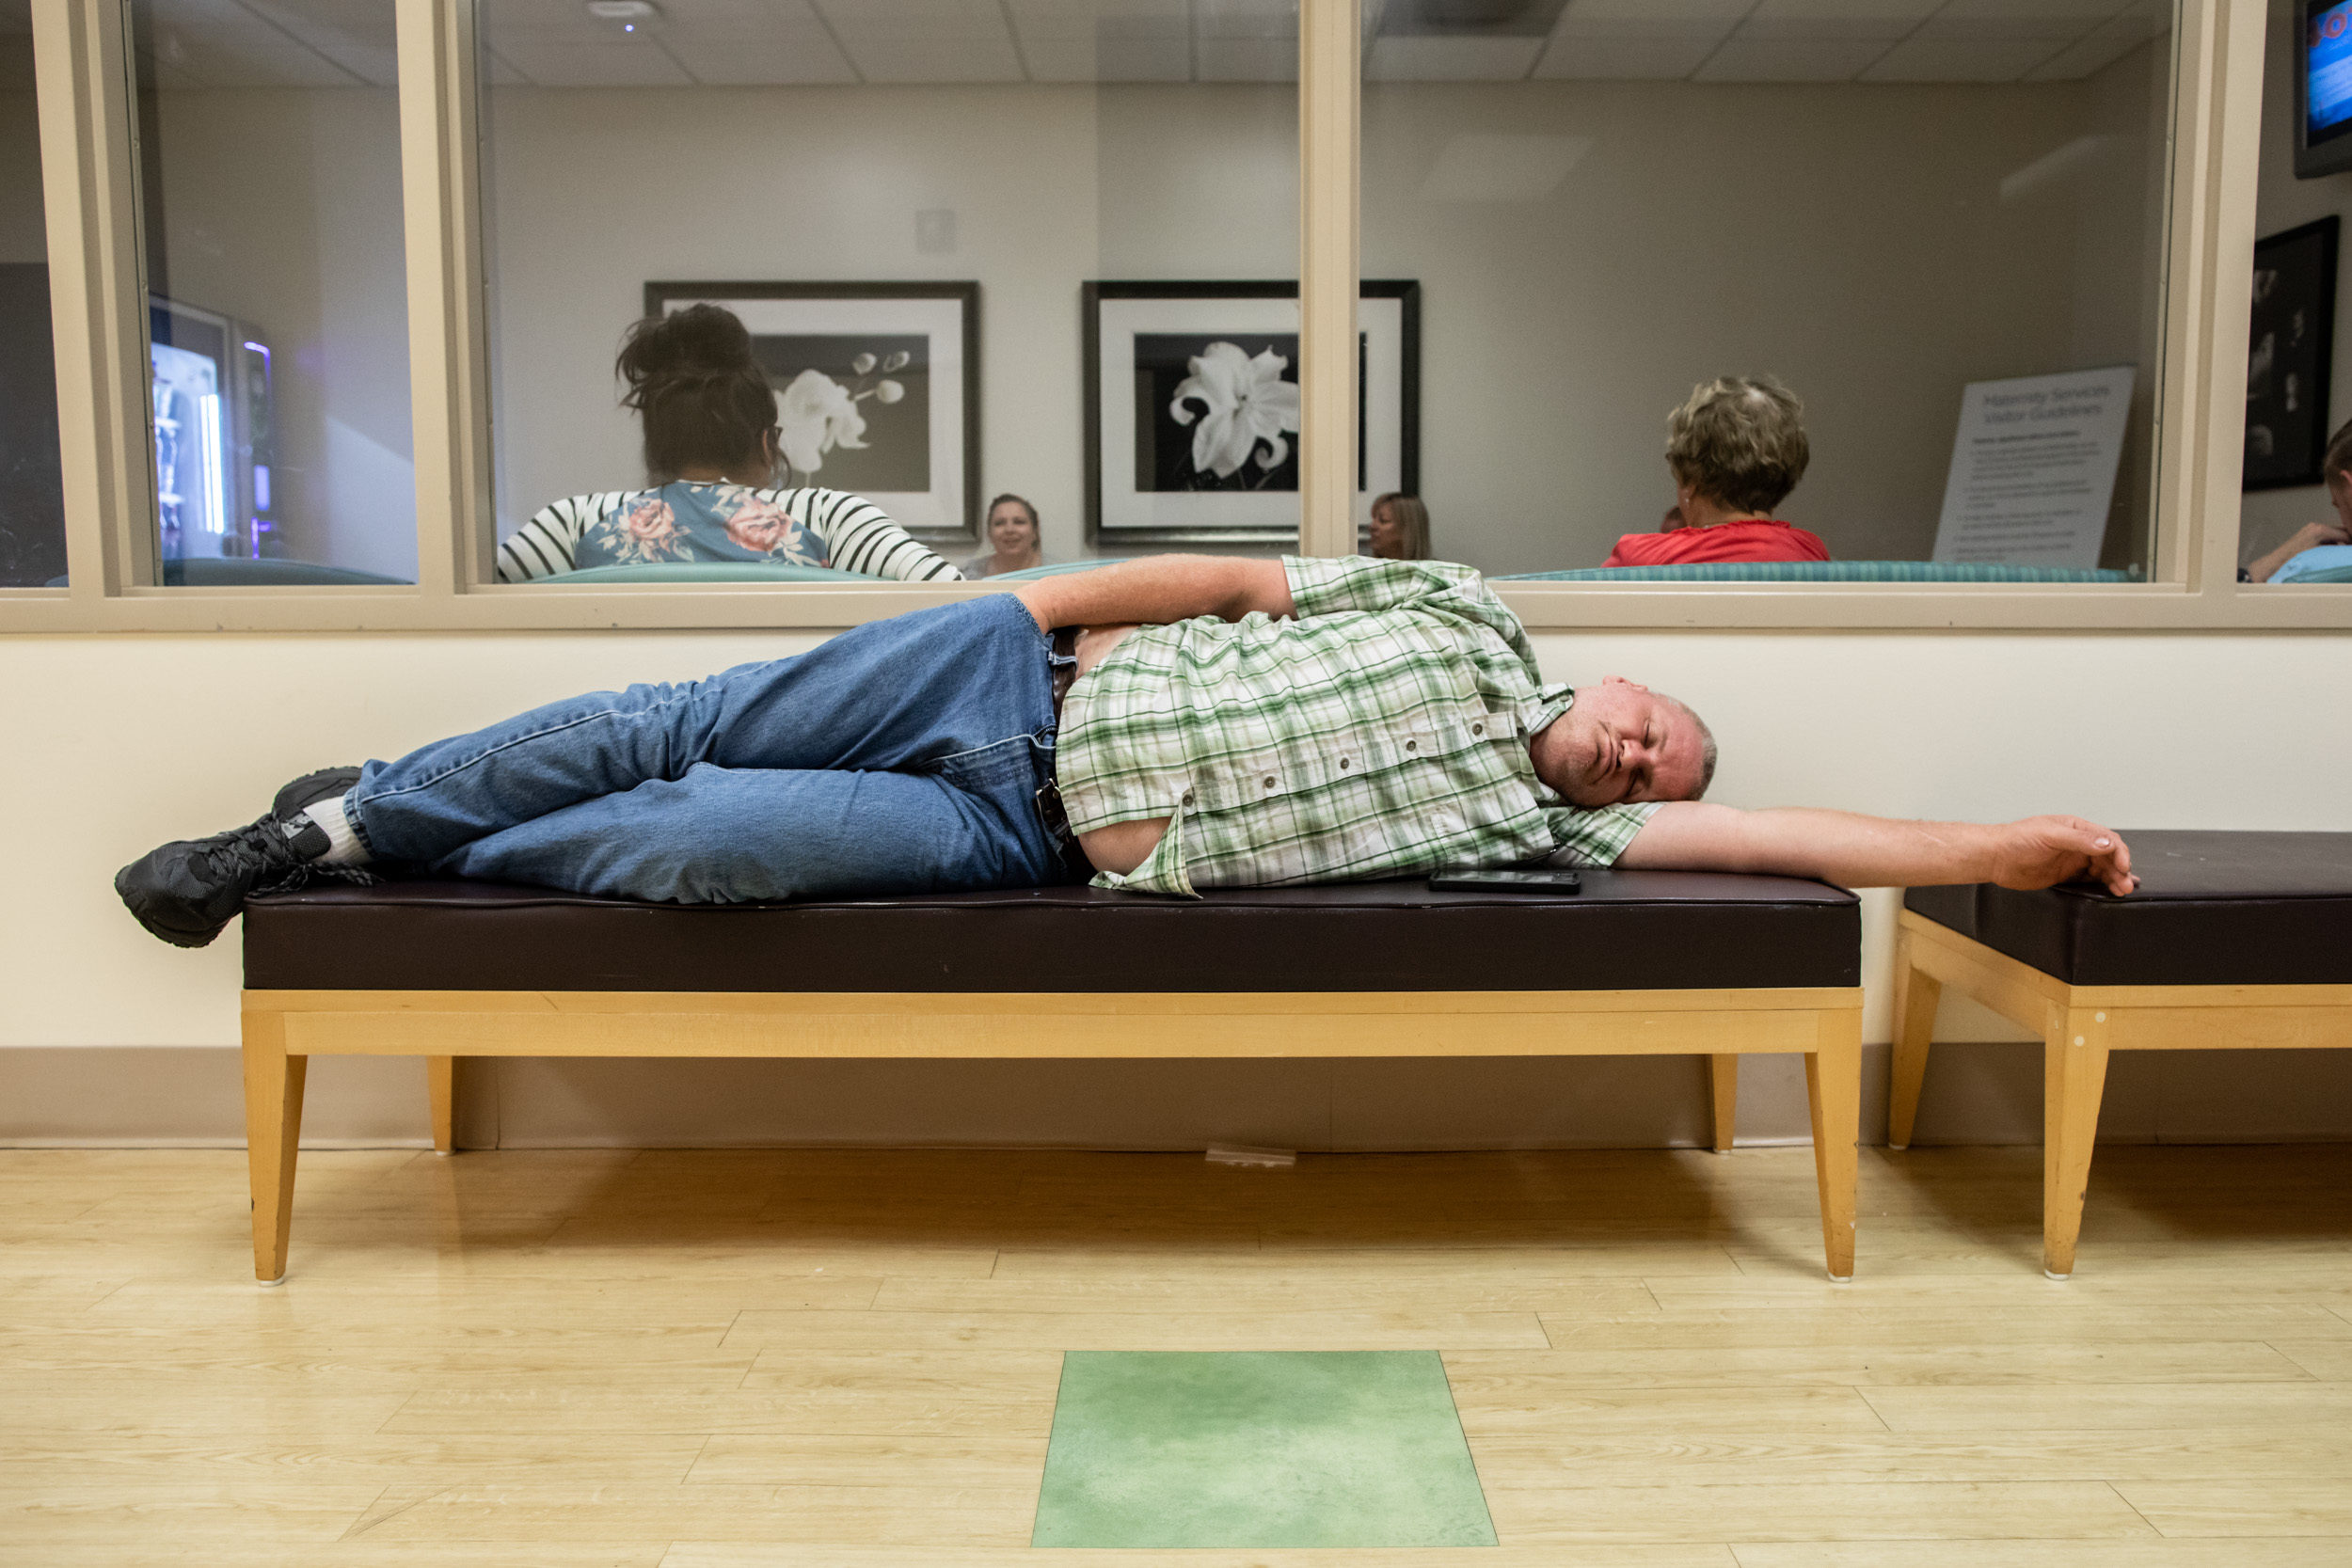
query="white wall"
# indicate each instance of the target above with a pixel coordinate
(119, 743)
(2281, 202)
(282, 208)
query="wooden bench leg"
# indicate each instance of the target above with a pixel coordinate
(1917, 995)
(2074, 1074)
(440, 1086)
(273, 1131)
(1723, 1097)
(1833, 1088)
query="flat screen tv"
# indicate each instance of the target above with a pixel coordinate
(2323, 88)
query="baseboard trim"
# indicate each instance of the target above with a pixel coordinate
(1978, 1093)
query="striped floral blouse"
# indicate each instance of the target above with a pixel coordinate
(856, 535)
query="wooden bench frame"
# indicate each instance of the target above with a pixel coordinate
(2079, 1026)
(283, 1029)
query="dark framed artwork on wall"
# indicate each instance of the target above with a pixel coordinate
(878, 388)
(1192, 408)
(2287, 367)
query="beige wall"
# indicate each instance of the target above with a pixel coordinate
(118, 743)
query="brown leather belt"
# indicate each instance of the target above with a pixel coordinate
(1063, 672)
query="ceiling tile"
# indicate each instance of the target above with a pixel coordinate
(782, 55)
(1102, 19)
(1960, 60)
(1062, 59)
(1746, 59)
(1623, 60)
(900, 57)
(1835, 19)
(2082, 15)
(1249, 18)
(1247, 60)
(1665, 14)
(355, 34)
(562, 62)
(1428, 59)
(251, 56)
(2105, 47)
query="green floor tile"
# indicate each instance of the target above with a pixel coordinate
(1258, 1448)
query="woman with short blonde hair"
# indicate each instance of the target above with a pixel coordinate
(1735, 448)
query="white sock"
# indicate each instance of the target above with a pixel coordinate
(342, 845)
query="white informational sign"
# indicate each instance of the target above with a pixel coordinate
(2033, 468)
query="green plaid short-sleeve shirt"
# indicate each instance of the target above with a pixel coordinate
(1382, 731)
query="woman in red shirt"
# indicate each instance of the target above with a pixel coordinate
(1736, 448)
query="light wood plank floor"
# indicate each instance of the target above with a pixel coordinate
(847, 1359)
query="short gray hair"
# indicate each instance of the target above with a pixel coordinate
(1740, 441)
(1707, 746)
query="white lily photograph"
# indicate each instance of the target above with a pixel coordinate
(1192, 407)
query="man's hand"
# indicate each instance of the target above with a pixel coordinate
(1875, 851)
(1160, 589)
(2043, 852)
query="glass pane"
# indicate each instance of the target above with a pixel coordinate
(892, 210)
(2293, 527)
(32, 503)
(269, 163)
(1905, 254)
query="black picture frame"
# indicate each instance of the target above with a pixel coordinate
(2291, 340)
(1113, 450)
(949, 512)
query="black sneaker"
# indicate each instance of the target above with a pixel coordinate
(184, 892)
(327, 784)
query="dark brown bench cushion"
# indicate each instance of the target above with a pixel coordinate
(1628, 930)
(2214, 908)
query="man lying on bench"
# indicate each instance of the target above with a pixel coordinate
(1161, 727)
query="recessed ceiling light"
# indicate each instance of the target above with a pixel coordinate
(624, 11)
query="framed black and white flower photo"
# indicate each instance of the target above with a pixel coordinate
(2293, 329)
(1192, 408)
(878, 389)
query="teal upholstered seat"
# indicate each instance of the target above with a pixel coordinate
(212, 571)
(711, 571)
(1826, 571)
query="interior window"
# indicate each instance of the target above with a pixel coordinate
(1893, 267)
(943, 288)
(269, 144)
(2298, 499)
(32, 503)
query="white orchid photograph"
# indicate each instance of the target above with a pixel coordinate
(876, 388)
(852, 411)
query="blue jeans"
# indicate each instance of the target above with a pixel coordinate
(903, 756)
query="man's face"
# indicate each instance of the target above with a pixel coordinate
(1621, 742)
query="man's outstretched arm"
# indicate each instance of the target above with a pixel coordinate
(1876, 851)
(1159, 589)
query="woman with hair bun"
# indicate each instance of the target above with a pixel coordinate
(712, 444)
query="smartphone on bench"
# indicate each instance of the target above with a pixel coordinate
(1540, 878)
